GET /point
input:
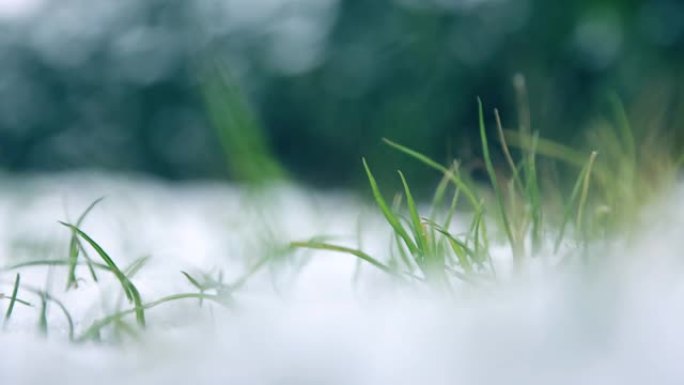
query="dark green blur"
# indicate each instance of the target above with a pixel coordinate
(405, 70)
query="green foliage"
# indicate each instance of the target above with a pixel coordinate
(583, 184)
(129, 289)
(13, 298)
(210, 288)
(94, 331)
(616, 172)
(624, 176)
(75, 247)
(513, 241)
(392, 219)
(341, 249)
(617, 177)
(240, 135)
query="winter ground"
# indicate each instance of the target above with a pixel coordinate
(320, 322)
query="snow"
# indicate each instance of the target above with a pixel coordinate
(309, 321)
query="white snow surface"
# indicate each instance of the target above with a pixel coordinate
(310, 321)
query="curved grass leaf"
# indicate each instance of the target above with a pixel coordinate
(546, 147)
(463, 253)
(135, 266)
(74, 247)
(422, 241)
(452, 208)
(60, 305)
(346, 250)
(573, 198)
(129, 289)
(584, 194)
(196, 284)
(507, 152)
(389, 215)
(193, 281)
(93, 332)
(532, 192)
(453, 176)
(438, 196)
(50, 262)
(625, 131)
(515, 247)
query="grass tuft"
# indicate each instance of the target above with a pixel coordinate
(74, 248)
(516, 248)
(131, 292)
(608, 191)
(388, 214)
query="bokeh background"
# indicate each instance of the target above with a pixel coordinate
(244, 89)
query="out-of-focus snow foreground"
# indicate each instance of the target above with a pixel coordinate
(314, 318)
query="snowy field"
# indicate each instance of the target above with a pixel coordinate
(315, 317)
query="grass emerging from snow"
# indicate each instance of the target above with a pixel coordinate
(613, 185)
(453, 245)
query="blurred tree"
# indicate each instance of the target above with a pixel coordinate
(118, 86)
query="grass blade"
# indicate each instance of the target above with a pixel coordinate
(193, 281)
(573, 197)
(396, 241)
(129, 289)
(515, 247)
(346, 250)
(549, 149)
(42, 319)
(419, 233)
(478, 234)
(584, 194)
(452, 208)
(391, 218)
(625, 130)
(42, 293)
(74, 247)
(240, 134)
(533, 194)
(438, 197)
(13, 299)
(67, 315)
(93, 332)
(196, 284)
(49, 262)
(461, 250)
(135, 266)
(507, 152)
(454, 177)
(411, 266)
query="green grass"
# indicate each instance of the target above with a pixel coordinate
(127, 285)
(75, 247)
(614, 180)
(95, 330)
(116, 323)
(519, 207)
(14, 299)
(240, 134)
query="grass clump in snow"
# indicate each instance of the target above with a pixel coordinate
(115, 323)
(613, 181)
(452, 240)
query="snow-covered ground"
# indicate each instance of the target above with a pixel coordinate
(311, 321)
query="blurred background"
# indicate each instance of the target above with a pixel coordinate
(258, 89)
